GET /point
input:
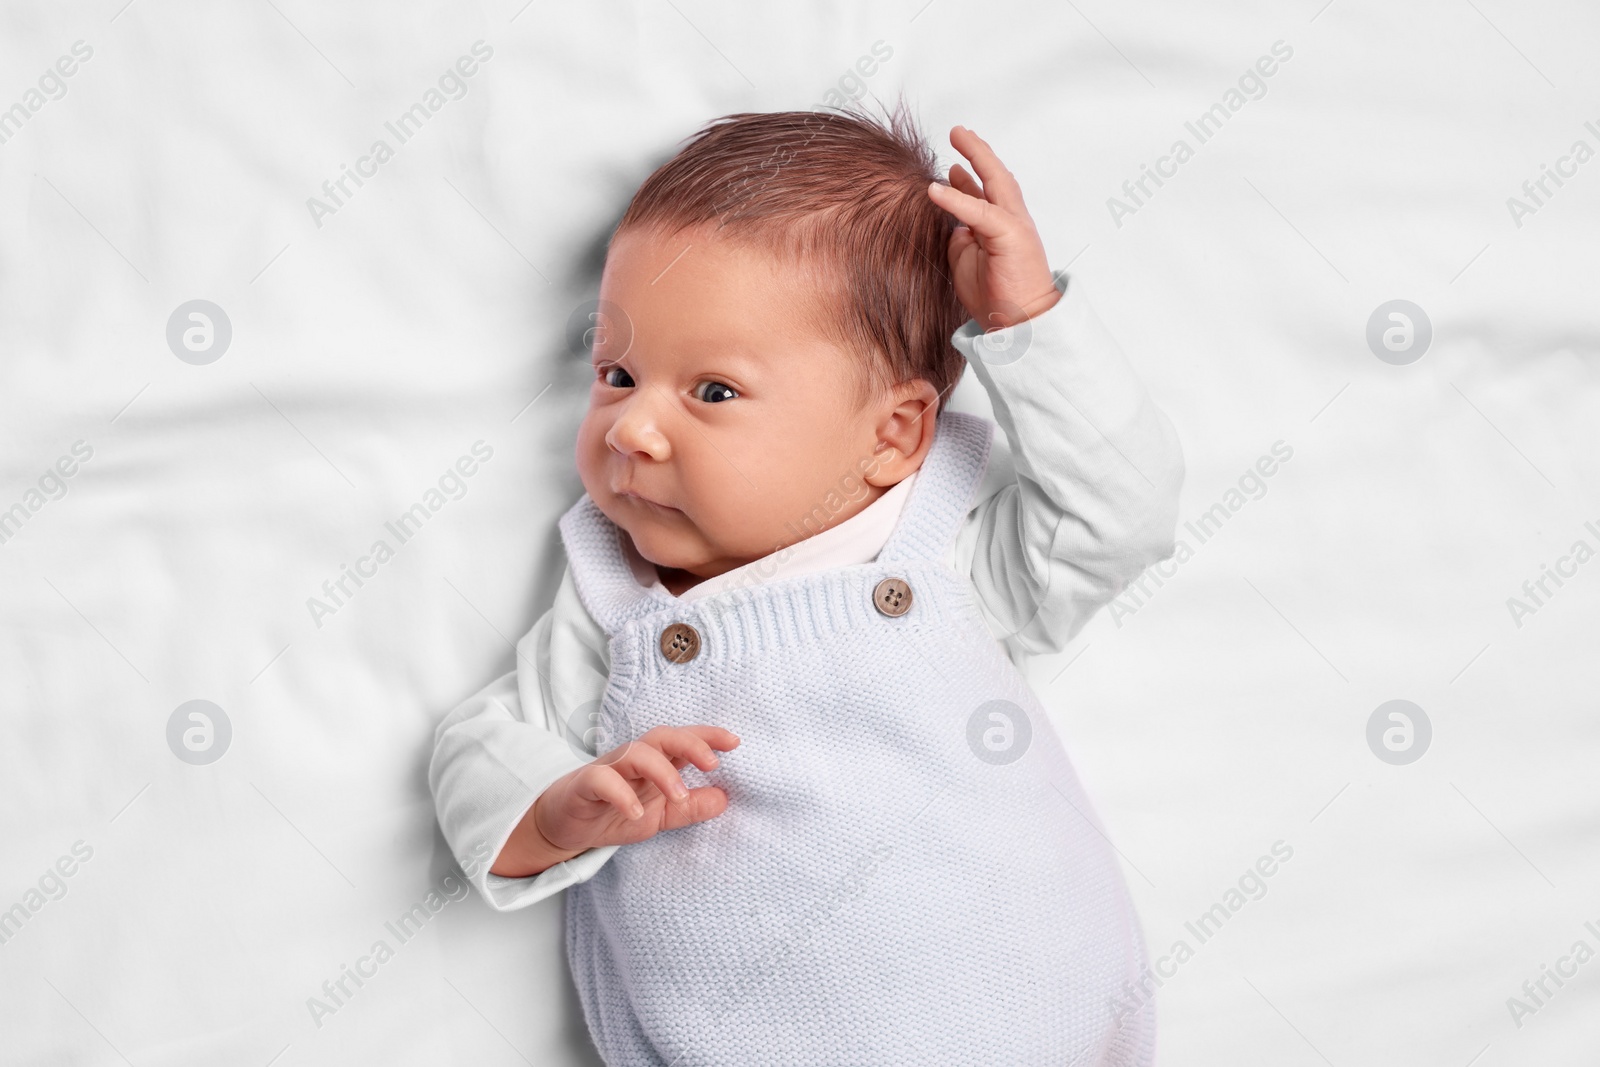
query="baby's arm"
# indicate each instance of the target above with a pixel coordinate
(1087, 497)
(492, 757)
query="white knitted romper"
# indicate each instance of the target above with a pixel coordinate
(903, 875)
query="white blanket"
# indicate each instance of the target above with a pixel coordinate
(376, 335)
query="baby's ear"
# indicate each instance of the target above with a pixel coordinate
(905, 430)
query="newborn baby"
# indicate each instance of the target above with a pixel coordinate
(772, 735)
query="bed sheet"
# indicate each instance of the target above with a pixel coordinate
(194, 490)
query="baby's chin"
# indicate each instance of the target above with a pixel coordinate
(672, 550)
(666, 548)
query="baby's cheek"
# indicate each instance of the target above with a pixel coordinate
(586, 452)
(726, 524)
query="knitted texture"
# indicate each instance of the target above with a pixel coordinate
(885, 887)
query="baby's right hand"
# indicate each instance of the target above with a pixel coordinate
(627, 795)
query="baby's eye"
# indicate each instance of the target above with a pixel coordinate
(715, 392)
(607, 376)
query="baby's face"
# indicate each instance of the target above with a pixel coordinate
(725, 419)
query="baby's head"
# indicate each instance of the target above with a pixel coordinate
(775, 336)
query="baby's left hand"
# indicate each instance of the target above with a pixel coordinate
(996, 256)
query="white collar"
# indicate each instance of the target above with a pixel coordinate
(858, 539)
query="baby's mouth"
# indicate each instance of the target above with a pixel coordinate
(646, 502)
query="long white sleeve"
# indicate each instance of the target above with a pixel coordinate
(1086, 496)
(499, 749)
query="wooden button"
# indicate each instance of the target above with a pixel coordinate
(680, 642)
(892, 597)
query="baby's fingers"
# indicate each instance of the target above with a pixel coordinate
(1000, 185)
(601, 782)
(965, 182)
(645, 759)
(975, 212)
(694, 744)
(705, 802)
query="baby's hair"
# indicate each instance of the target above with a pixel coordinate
(843, 198)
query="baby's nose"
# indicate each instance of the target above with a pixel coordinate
(637, 429)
